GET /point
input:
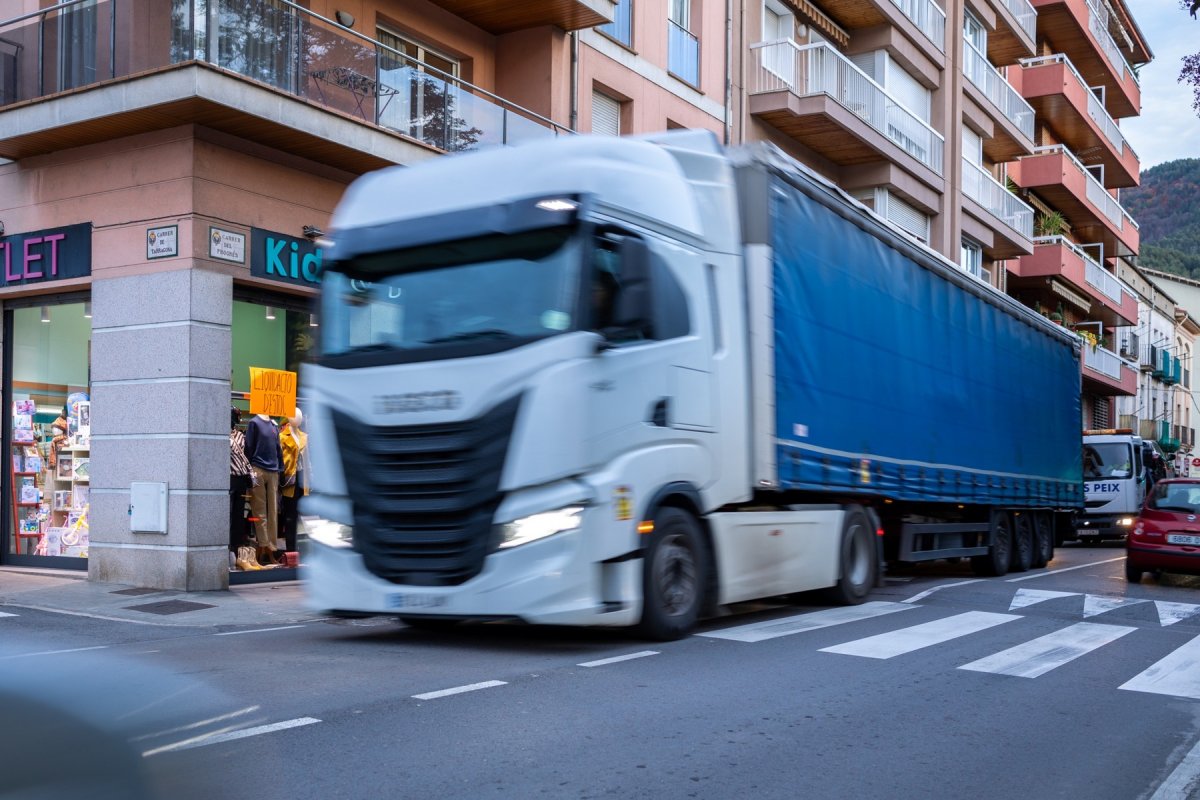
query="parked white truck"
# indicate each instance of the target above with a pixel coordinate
(622, 381)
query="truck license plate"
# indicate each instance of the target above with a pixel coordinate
(1181, 538)
(415, 600)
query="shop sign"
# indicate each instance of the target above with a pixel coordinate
(38, 257)
(227, 245)
(278, 257)
(162, 242)
(273, 392)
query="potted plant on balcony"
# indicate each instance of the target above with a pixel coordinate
(1051, 223)
(1056, 316)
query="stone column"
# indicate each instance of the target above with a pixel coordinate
(160, 412)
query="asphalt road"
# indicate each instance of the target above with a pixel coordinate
(1057, 683)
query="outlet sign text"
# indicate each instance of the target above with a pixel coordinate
(57, 254)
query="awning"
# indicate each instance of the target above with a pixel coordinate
(1071, 296)
(819, 20)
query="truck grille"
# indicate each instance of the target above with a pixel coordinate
(425, 495)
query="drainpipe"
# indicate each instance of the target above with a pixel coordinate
(728, 72)
(574, 124)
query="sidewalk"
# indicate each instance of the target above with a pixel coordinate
(68, 592)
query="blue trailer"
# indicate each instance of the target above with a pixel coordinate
(621, 381)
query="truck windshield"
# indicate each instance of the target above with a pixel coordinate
(1107, 460)
(507, 290)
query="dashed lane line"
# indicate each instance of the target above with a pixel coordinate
(616, 659)
(1064, 569)
(471, 687)
(259, 630)
(55, 652)
(217, 738)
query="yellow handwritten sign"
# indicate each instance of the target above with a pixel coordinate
(273, 392)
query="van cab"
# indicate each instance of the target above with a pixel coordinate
(1114, 483)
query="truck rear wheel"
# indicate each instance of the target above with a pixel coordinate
(996, 561)
(673, 576)
(1022, 542)
(858, 563)
(1043, 539)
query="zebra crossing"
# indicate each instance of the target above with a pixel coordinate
(5, 614)
(1177, 674)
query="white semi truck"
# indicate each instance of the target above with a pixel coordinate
(623, 381)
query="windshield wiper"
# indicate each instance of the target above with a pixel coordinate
(464, 336)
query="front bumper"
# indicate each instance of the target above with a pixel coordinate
(1103, 526)
(552, 581)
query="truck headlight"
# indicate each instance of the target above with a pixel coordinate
(1125, 522)
(328, 532)
(539, 526)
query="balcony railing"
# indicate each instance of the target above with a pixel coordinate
(1097, 195)
(1097, 276)
(1096, 109)
(683, 54)
(820, 69)
(1130, 345)
(1103, 361)
(1098, 25)
(279, 44)
(929, 18)
(1026, 16)
(1001, 203)
(993, 85)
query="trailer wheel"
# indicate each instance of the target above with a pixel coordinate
(995, 563)
(858, 563)
(1022, 542)
(673, 576)
(1043, 539)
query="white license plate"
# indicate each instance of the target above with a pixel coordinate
(415, 600)
(1182, 538)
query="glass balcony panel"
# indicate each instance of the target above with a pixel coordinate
(1001, 203)
(993, 85)
(1098, 25)
(1103, 361)
(1026, 16)
(683, 54)
(929, 19)
(820, 69)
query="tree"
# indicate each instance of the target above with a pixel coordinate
(1191, 64)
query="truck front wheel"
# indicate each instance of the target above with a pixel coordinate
(673, 577)
(858, 562)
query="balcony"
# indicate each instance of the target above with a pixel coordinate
(683, 54)
(1063, 101)
(1079, 29)
(1095, 215)
(1111, 302)
(505, 16)
(818, 97)
(1105, 374)
(999, 209)
(923, 20)
(1015, 36)
(1130, 346)
(1011, 115)
(1166, 440)
(288, 79)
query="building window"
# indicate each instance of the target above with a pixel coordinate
(974, 33)
(426, 104)
(49, 431)
(606, 115)
(1101, 413)
(683, 48)
(970, 257)
(897, 211)
(621, 28)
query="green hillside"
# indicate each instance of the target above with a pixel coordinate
(1167, 206)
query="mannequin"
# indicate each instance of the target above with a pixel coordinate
(294, 442)
(239, 484)
(266, 462)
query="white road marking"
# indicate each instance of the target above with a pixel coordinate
(1027, 597)
(258, 630)
(616, 659)
(1064, 569)
(1039, 656)
(906, 640)
(927, 592)
(55, 652)
(1184, 781)
(471, 687)
(760, 631)
(1170, 613)
(217, 738)
(1094, 604)
(1177, 675)
(6, 614)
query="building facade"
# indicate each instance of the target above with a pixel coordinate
(167, 168)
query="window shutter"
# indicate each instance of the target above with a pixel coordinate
(606, 115)
(908, 217)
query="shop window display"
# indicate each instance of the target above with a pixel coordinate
(50, 432)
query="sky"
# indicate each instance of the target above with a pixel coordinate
(1169, 128)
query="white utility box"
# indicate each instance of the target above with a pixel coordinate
(147, 507)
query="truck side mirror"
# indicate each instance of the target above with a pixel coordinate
(633, 309)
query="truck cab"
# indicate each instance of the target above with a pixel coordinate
(1114, 483)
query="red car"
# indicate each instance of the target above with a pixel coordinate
(1166, 535)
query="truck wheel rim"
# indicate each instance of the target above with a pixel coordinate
(857, 564)
(675, 575)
